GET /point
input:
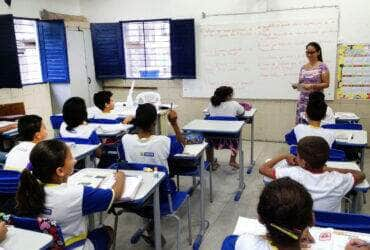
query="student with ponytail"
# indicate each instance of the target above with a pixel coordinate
(221, 104)
(285, 208)
(44, 192)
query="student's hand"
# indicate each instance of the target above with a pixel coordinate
(3, 231)
(120, 176)
(357, 244)
(172, 117)
(291, 160)
(128, 119)
(306, 239)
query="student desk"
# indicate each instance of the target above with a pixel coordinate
(123, 111)
(248, 118)
(149, 187)
(346, 117)
(358, 140)
(20, 239)
(194, 152)
(82, 151)
(223, 129)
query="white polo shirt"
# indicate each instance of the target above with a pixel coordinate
(83, 131)
(69, 206)
(19, 156)
(229, 108)
(153, 150)
(327, 189)
(302, 130)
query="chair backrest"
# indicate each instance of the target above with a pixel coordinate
(105, 121)
(148, 97)
(229, 242)
(221, 118)
(343, 221)
(56, 121)
(334, 154)
(92, 140)
(9, 180)
(42, 225)
(290, 138)
(351, 126)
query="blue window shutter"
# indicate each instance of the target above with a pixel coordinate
(183, 49)
(9, 65)
(108, 50)
(53, 51)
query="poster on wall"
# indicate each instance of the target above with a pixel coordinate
(353, 71)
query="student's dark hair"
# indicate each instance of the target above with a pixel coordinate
(317, 48)
(74, 112)
(221, 94)
(286, 204)
(146, 115)
(28, 126)
(101, 98)
(314, 150)
(317, 95)
(45, 158)
(316, 108)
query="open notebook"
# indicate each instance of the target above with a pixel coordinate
(325, 238)
(106, 181)
(343, 135)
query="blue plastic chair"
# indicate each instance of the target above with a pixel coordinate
(343, 221)
(171, 200)
(92, 140)
(351, 126)
(105, 121)
(334, 154)
(56, 121)
(9, 180)
(229, 242)
(290, 138)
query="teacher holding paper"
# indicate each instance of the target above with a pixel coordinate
(313, 76)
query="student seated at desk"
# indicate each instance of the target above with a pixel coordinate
(104, 106)
(75, 121)
(327, 186)
(3, 231)
(31, 130)
(146, 147)
(316, 110)
(320, 97)
(285, 208)
(3, 130)
(222, 105)
(52, 164)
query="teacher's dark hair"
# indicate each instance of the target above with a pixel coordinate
(317, 48)
(221, 95)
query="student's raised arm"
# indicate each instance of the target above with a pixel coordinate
(172, 118)
(357, 175)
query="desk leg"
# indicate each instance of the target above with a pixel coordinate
(157, 220)
(252, 162)
(241, 169)
(158, 127)
(362, 160)
(203, 226)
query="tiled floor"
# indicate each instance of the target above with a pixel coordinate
(223, 213)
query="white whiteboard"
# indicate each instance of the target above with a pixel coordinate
(260, 55)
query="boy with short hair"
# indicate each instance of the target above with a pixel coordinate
(327, 186)
(31, 130)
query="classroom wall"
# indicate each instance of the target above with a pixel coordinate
(36, 98)
(275, 117)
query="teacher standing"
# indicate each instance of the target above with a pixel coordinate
(314, 76)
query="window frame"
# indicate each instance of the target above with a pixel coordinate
(123, 45)
(38, 43)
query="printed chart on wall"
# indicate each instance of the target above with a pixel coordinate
(260, 55)
(353, 71)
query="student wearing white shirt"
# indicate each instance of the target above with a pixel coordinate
(327, 186)
(75, 122)
(316, 110)
(31, 130)
(329, 116)
(67, 204)
(148, 148)
(285, 209)
(221, 104)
